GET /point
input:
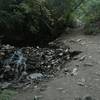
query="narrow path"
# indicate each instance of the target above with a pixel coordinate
(85, 77)
(86, 81)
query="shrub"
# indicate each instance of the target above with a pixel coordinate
(36, 20)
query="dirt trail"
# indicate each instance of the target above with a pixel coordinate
(85, 80)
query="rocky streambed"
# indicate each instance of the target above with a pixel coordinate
(20, 66)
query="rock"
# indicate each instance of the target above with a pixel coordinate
(78, 40)
(60, 54)
(35, 76)
(82, 82)
(74, 72)
(88, 65)
(75, 58)
(77, 65)
(72, 41)
(2, 55)
(82, 58)
(67, 71)
(20, 65)
(5, 85)
(35, 86)
(83, 43)
(88, 98)
(85, 98)
(75, 53)
(38, 97)
(8, 47)
(49, 66)
(67, 50)
(23, 76)
(7, 68)
(24, 73)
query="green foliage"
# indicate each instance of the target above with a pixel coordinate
(7, 94)
(36, 18)
(89, 14)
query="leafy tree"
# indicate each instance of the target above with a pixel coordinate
(89, 14)
(36, 19)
